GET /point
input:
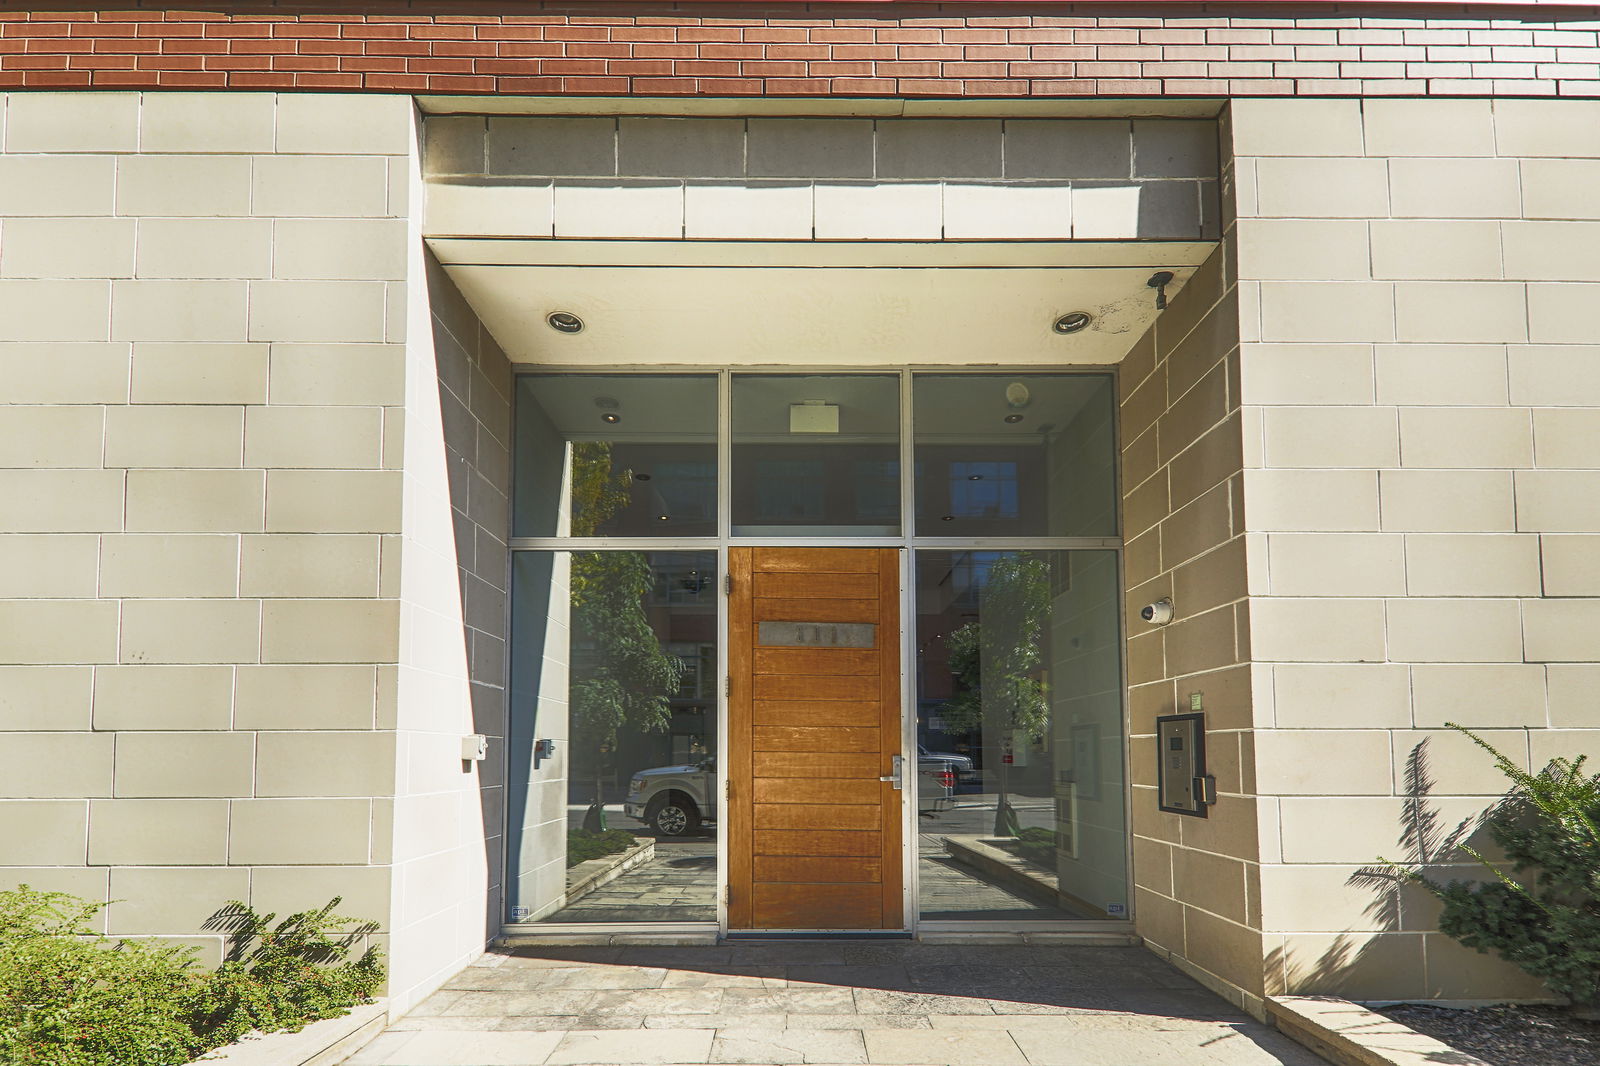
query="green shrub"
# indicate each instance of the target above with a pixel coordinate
(1547, 918)
(583, 845)
(1037, 845)
(71, 997)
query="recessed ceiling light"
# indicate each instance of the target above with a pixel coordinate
(1072, 323)
(641, 477)
(564, 322)
(662, 518)
(974, 477)
(611, 417)
(607, 403)
(1012, 420)
(948, 518)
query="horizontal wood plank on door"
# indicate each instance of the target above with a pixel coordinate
(773, 609)
(817, 816)
(782, 906)
(814, 560)
(817, 661)
(815, 586)
(800, 869)
(815, 713)
(817, 790)
(799, 686)
(802, 764)
(847, 843)
(834, 740)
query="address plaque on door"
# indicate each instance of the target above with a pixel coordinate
(817, 634)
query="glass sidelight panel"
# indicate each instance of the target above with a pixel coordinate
(612, 794)
(616, 455)
(1019, 714)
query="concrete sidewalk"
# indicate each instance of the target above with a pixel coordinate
(917, 1004)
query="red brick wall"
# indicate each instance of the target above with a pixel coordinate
(736, 49)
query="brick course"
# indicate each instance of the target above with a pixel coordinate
(788, 50)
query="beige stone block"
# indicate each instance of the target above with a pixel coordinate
(1341, 696)
(1312, 500)
(1547, 744)
(45, 697)
(338, 374)
(1436, 251)
(1551, 251)
(321, 186)
(167, 900)
(345, 124)
(1316, 630)
(1320, 762)
(200, 373)
(338, 437)
(459, 210)
(1358, 966)
(1303, 250)
(55, 435)
(313, 832)
(1299, 126)
(174, 436)
(66, 248)
(1560, 188)
(1454, 188)
(1562, 630)
(146, 565)
(279, 696)
(178, 310)
(340, 249)
(1472, 564)
(1570, 564)
(207, 122)
(184, 765)
(309, 565)
(1457, 765)
(77, 121)
(1321, 898)
(316, 311)
(60, 501)
(291, 889)
(1447, 501)
(1331, 437)
(1336, 564)
(330, 631)
(55, 765)
(1465, 437)
(155, 832)
(1348, 829)
(1454, 631)
(1327, 311)
(1562, 128)
(1462, 973)
(45, 832)
(194, 186)
(1571, 689)
(1332, 374)
(1428, 127)
(1107, 212)
(1479, 697)
(326, 763)
(1558, 501)
(163, 697)
(81, 881)
(63, 373)
(191, 631)
(1567, 437)
(55, 310)
(46, 632)
(1322, 188)
(1460, 312)
(318, 501)
(55, 185)
(1429, 374)
(198, 501)
(191, 248)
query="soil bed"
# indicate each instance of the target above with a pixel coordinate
(1507, 1035)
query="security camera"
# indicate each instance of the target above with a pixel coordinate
(1158, 613)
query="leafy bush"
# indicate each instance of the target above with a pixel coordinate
(1037, 845)
(1547, 919)
(583, 845)
(71, 997)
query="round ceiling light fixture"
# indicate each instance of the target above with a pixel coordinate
(1012, 420)
(564, 322)
(611, 417)
(1073, 322)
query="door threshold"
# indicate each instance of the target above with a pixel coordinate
(816, 934)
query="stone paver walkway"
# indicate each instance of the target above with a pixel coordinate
(909, 1004)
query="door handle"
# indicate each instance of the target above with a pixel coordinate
(894, 776)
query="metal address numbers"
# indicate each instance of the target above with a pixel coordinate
(817, 634)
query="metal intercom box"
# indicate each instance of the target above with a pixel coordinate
(1183, 787)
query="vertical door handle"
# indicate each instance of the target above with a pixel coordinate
(894, 776)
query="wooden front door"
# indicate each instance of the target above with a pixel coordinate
(814, 722)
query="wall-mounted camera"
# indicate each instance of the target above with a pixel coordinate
(1158, 613)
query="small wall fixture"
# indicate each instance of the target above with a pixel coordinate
(1159, 281)
(1075, 322)
(564, 322)
(1012, 420)
(611, 417)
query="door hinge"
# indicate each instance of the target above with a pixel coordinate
(727, 584)
(727, 896)
(727, 684)
(727, 788)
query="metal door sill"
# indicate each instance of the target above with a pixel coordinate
(817, 934)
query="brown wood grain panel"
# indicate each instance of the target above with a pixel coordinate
(782, 906)
(819, 712)
(815, 560)
(798, 869)
(791, 610)
(808, 586)
(769, 764)
(816, 790)
(829, 740)
(817, 816)
(892, 906)
(842, 842)
(816, 661)
(793, 687)
(739, 773)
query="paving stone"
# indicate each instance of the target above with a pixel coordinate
(716, 1021)
(772, 1047)
(950, 1047)
(604, 977)
(859, 1021)
(659, 1001)
(764, 976)
(789, 1001)
(609, 1046)
(884, 1001)
(462, 1049)
(497, 1003)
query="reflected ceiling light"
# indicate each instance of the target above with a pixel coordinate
(1012, 420)
(1072, 323)
(974, 477)
(948, 518)
(607, 403)
(611, 417)
(662, 518)
(564, 322)
(1158, 281)
(1017, 395)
